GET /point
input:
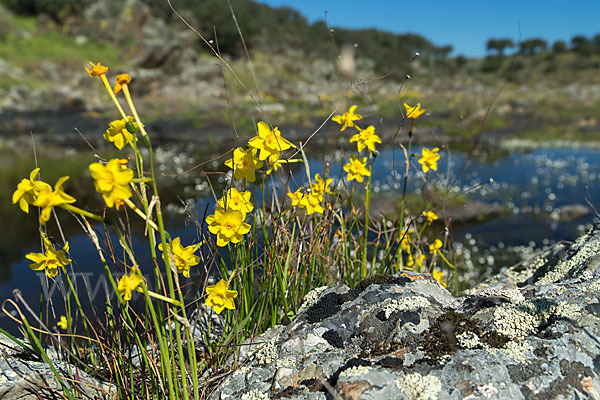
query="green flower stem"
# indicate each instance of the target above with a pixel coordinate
(86, 214)
(363, 264)
(404, 186)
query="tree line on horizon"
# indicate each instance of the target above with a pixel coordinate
(277, 30)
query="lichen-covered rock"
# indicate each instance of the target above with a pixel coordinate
(532, 332)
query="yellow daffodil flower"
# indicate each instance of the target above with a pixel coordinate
(312, 203)
(320, 187)
(357, 169)
(414, 112)
(347, 119)
(47, 198)
(122, 79)
(269, 142)
(439, 276)
(228, 225)
(430, 215)
(296, 197)
(63, 323)
(244, 164)
(366, 138)
(236, 200)
(118, 134)
(27, 191)
(127, 284)
(429, 159)
(97, 69)
(220, 297)
(435, 246)
(184, 256)
(112, 181)
(50, 260)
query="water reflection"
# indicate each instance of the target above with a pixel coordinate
(530, 186)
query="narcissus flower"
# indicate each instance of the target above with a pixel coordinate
(118, 134)
(112, 181)
(366, 138)
(356, 168)
(347, 119)
(47, 198)
(439, 276)
(50, 260)
(420, 259)
(321, 187)
(269, 142)
(122, 79)
(430, 215)
(236, 200)
(228, 225)
(220, 297)
(27, 190)
(97, 69)
(435, 246)
(127, 284)
(296, 197)
(414, 112)
(429, 159)
(184, 256)
(244, 164)
(63, 323)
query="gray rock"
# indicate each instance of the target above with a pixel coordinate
(532, 332)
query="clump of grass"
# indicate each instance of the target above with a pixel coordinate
(262, 252)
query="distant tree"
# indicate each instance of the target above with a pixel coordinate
(442, 52)
(559, 46)
(499, 45)
(533, 46)
(596, 40)
(581, 45)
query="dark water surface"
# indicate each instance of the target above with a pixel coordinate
(531, 185)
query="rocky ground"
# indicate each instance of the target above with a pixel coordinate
(532, 332)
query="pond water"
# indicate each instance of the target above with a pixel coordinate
(531, 186)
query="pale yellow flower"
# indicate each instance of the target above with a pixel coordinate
(429, 159)
(27, 190)
(414, 112)
(228, 225)
(127, 284)
(439, 276)
(435, 246)
(356, 168)
(50, 259)
(118, 134)
(347, 119)
(269, 142)
(63, 323)
(366, 138)
(184, 256)
(236, 200)
(430, 215)
(220, 297)
(112, 181)
(47, 198)
(244, 164)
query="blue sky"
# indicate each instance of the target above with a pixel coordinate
(464, 24)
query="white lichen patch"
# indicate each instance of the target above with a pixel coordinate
(513, 322)
(517, 351)
(468, 340)
(266, 354)
(419, 387)
(255, 395)
(311, 297)
(566, 310)
(585, 252)
(411, 303)
(286, 362)
(513, 295)
(356, 371)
